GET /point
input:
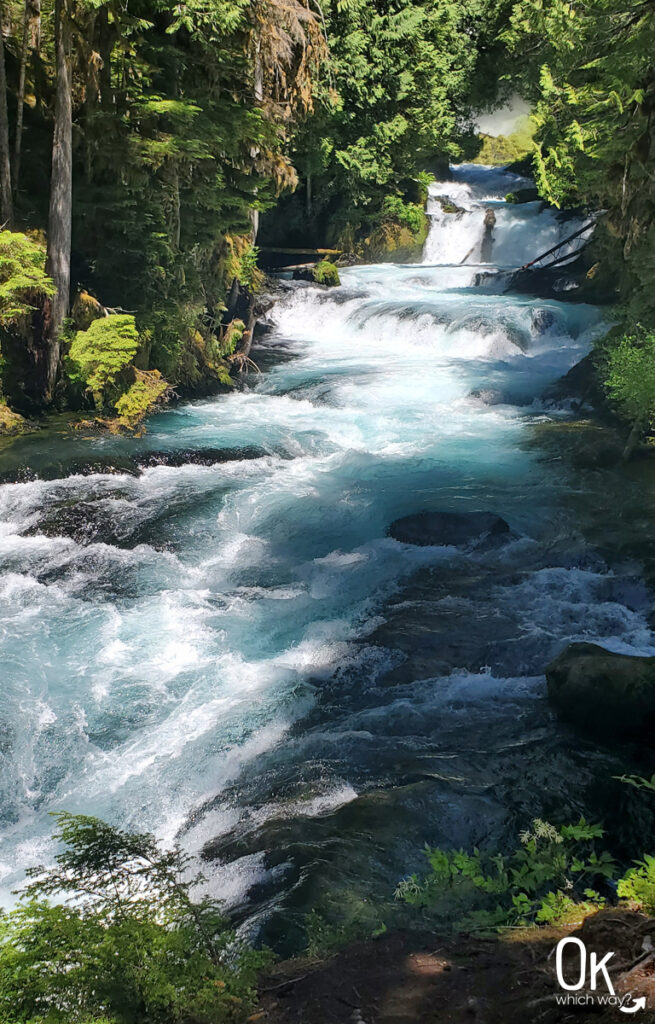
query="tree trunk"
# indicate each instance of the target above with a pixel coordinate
(34, 20)
(106, 37)
(21, 96)
(6, 207)
(61, 200)
(634, 437)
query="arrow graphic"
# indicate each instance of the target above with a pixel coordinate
(639, 1004)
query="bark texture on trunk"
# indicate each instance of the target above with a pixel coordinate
(20, 103)
(61, 199)
(6, 205)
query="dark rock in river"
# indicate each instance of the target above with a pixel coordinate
(487, 396)
(612, 695)
(542, 320)
(457, 528)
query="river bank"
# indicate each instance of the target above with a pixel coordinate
(432, 978)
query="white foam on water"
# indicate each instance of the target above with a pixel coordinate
(145, 671)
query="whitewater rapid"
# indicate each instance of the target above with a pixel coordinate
(209, 634)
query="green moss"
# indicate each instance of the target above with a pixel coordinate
(140, 400)
(326, 273)
(449, 207)
(11, 422)
(511, 197)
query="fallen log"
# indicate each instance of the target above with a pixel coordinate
(554, 248)
(300, 251)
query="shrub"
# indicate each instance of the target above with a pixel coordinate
(22, 275)
(537, 882)
(409, 215)
(630, 378)
(102, 352)
(126, 945)
(326, 273)
(638, 885)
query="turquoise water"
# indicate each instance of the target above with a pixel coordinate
(208, 633)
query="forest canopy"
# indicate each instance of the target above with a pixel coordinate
(141, 144)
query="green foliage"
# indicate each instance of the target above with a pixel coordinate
(141, 398)
(100, 354)
(23, 280)
(630, 376)
(537, 882)
(409, 215)
(340, 921)
(326, 273)
(126, 944)
(638, 781)
(396, 106)
(232, 337)
(505, 149)
(638, 885)
(248, 270)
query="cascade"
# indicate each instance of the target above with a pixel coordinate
(208, 632)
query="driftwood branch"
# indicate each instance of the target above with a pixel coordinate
(554, 248)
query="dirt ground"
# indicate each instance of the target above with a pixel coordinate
(428, 979)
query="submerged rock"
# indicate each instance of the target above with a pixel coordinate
(457, 528)
(612, 695)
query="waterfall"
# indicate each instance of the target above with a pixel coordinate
(520, 233)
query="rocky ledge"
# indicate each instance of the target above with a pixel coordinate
(611, 695)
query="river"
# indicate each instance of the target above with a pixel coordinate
(208, 632)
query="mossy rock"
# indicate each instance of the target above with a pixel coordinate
(523, 195)
(447, 205)
(607, 694)
(393, 242)
(11, 423)
(85, 310)
(326, 273)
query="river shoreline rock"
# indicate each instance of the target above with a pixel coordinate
(426, 529)
(608, 694)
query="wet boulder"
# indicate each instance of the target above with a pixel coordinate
(445, 528)
(523, 195)
(542, 320)
(611, 695)
(487, 396)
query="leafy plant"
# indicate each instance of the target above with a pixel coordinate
(409, 215)
(630, 378)
(537, 882)
(638, 885)
(638, 781)
(23, 279)
(249, 273)
(126, 944)
(102, 352)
